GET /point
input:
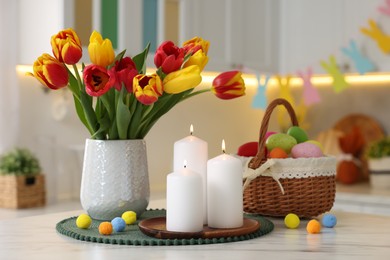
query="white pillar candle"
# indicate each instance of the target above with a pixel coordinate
(194, 151)
(184, 201)
(224, 192)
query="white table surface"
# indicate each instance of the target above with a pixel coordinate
(356, 236)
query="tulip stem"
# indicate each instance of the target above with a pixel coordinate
(76, 71)
(195, 93)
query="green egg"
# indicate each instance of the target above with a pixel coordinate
(298, 133)
(283, 141)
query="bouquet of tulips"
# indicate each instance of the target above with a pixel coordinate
(114, 97)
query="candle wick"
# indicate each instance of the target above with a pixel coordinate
(223, 151)
(185, 166)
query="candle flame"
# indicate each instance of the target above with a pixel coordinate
(191, 129)
(223, 146)
(185, 164)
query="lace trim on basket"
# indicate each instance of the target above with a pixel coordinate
(290, 168)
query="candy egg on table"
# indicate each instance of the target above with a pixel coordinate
(281, 140)
(129, 217)
(291, 221)
(105, 228)
(298, 133)
(329, 220)
(306, 150)
(313, 226)
(83, 221)
(118, 224)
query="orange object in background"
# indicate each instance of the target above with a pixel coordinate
(352, 145)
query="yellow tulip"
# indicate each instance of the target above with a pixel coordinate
(182, 80)
(199, 58)
(100, 51)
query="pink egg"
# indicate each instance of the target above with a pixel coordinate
(306, 150)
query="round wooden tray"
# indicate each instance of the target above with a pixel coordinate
(156, 227)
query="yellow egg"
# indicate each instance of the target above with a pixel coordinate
(292, 220)
(316, 143)
(129, 217)
(313, 227)
(83, 221)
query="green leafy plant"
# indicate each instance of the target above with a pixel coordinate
(19, 162)
(380, 148)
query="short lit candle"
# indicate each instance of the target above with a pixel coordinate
(195, 151)
(184, 201)
(224, 191)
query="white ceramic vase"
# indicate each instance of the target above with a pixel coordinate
(115, 178)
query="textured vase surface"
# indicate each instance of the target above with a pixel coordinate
(115, 178)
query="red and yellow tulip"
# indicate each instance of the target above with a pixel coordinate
(147, 89)
(50, 72)
(228, 85)
(66, 46)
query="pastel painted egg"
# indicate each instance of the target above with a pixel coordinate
(105, 228)
(329, 220)
(291, 221)
(306, 150)
(316, 143)
(313, 227)
(118, 224)
(284, 141)
(268, 134)
(277, 153)
(83, 221)
(298, 133)
(129, 217)
(248, 149)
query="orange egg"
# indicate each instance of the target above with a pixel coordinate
(277, 153)
(105, 228)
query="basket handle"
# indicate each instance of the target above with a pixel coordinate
(260, 157)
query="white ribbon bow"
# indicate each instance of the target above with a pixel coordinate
(251, 174)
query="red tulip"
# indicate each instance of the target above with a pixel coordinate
(50, 72)
(169, 57)
(97, 80)
(66, 46)
(229, 85)
(124, 71)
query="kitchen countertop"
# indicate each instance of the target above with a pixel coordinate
(356, 236)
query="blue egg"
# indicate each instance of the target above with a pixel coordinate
(118, 224)
(329, 220)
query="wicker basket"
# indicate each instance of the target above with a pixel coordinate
(277, 187)
(22, 192)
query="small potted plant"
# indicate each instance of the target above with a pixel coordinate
(21, 183)
(379, 162)
(379, 155)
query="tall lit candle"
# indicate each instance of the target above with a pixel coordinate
(195, 151)
(184, 201)
(224, 191)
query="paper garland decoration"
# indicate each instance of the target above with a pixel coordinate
(385, 9)
(382, 40)
(260, 99)
(310, 94)
(339, 83)
(362, 63)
